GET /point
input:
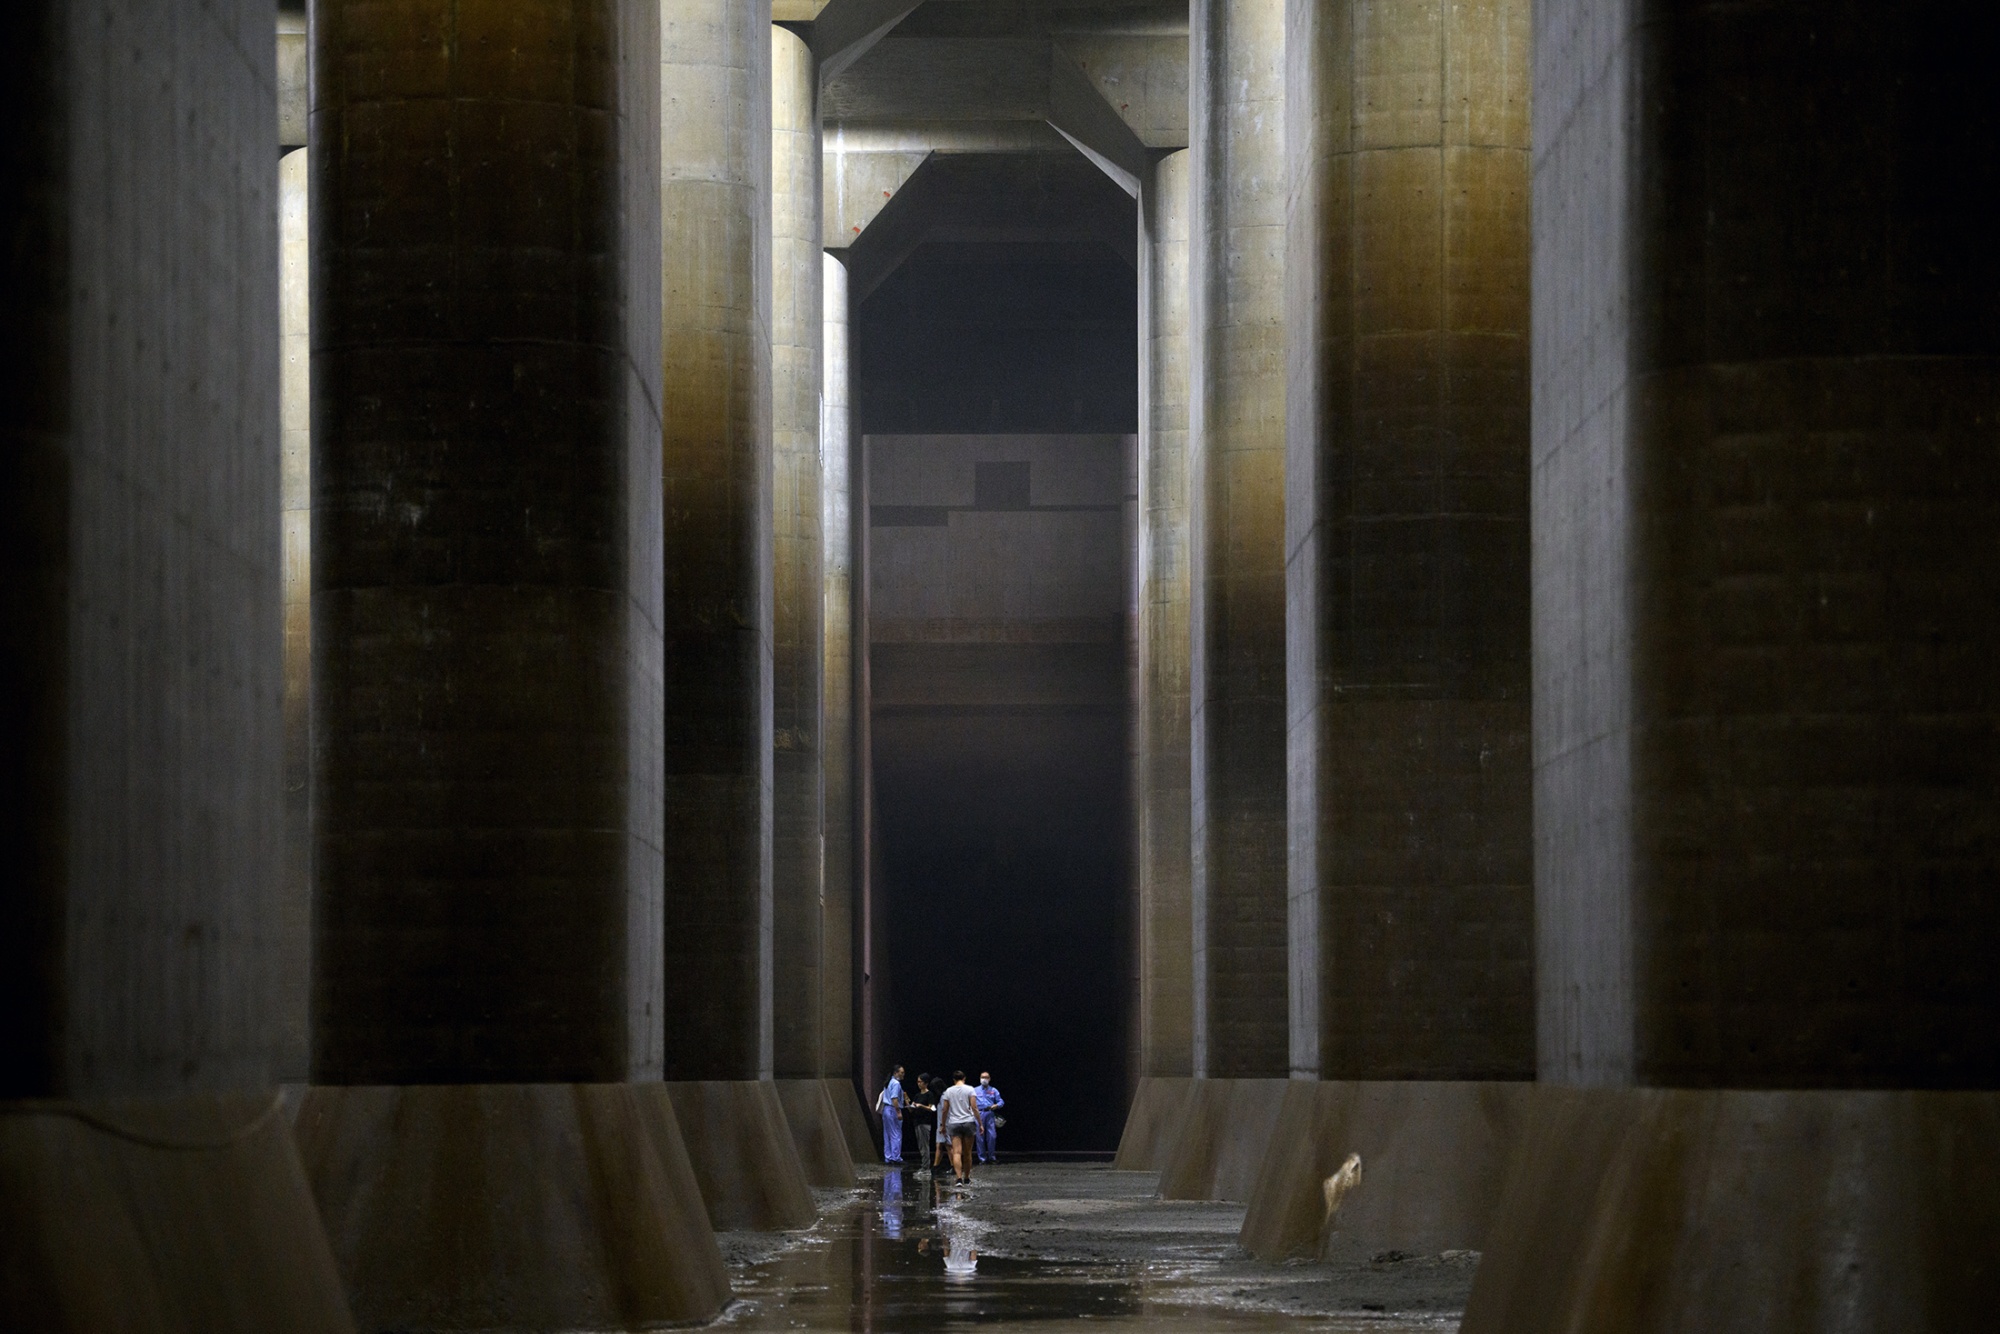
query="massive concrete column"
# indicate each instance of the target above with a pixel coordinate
(1407, 590)
(798, 780)
(1166, 997)
(715, 211)
(147, 1177)
(485, 684)
(798, 827)
(716, 454)
(1407, 541)
(295, 499)
(1765, 488)
(1164, 1003)
(1236, 423)
(838, 983)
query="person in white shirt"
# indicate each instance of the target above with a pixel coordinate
(958, 1109)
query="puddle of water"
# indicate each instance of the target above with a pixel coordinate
(903, 1257)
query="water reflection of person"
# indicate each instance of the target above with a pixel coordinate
(892, 1204)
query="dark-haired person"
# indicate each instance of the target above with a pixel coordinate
(990, 1103)
(889, 1103)
(923, 1121)
(958, 1109)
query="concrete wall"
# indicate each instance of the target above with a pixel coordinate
(998, 659)
(1407, 543)
(1236, 423)
(715, 203)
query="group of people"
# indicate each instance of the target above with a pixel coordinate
(953, 1119)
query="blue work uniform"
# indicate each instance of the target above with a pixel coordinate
(890, 1105)
(990, 1102)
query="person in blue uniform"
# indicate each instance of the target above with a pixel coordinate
(889, 1105)
(990, 1103)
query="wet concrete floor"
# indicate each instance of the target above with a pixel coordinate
(1035, 1245)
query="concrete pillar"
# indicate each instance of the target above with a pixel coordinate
(295, 500)
(1407, 589)
(715, 210)
(837, 675)
(147, 1175)
(1236, 424)
(1165, 1000)
(485, 684)
(1407, 540)
(1161, 763)
(798, 779)
(798, 860)
(1764, 493)
(718, 489)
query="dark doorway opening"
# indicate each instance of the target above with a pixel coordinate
(997, 388)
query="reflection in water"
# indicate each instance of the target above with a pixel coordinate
(910, 1260)
(892, 1204)
(961, 1261)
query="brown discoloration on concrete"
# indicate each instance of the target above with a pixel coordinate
(1651, 1209)
(1433, 1159)
(741, 1146)
(520, 1207)
(816, 1132)
(172, 1216)
(1159, 1106)
(1224, 1133)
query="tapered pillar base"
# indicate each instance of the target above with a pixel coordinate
(741, 1147)
(1434, 1156)
(185, 1214)
(510, 1207)
(855, 1131)
(1159, 1106)
(816, 1132)
(1649, 1210)
(1220, 1148)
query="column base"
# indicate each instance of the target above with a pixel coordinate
(509, 1207)
(1158, 1107)
(741, 1147)
(162, 1215)
(1220, 1149)
(816, 1132)
(855, 1132)
(1434, 1156)
(1653, 1210)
